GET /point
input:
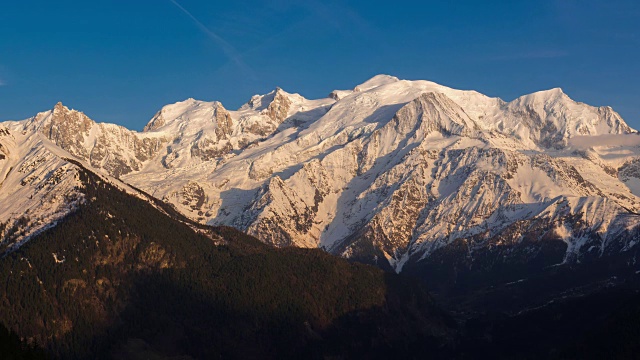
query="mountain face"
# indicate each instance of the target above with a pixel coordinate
(391, 172)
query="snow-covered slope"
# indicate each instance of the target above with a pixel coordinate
(37, 187)
(392, 169)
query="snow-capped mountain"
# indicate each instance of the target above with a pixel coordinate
(390, 171)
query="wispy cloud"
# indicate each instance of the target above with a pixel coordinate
(531, 55)
(585, 142)
(314, 17)
(340, 17)
(2, 83)
(230, 52)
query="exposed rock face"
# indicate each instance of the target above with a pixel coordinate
(193, 195)
(155, 123)
(114, 148)
(279, 210)
(4, 152)
(268, 113)
(195, 130)
(278, 109)
(207, 149)
(224, 124)
(120, 151)
(68, 130)
(630, 170)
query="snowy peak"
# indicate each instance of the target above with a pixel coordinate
(59, 116)
(63, 115)
(191, 113)
(373, 83)
(59, 107)
(171, 112)
(376, 81)
(544, 102)
(279, 106)
(67, 128)
(444, 115)
(266, 115)
(548, 119)
(545, 96)
(58, 124)
(262, 102)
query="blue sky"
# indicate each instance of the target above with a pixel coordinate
(120, 61)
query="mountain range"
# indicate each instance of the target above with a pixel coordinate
(389, 172)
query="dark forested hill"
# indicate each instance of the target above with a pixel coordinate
(119, 278)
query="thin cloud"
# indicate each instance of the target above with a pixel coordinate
(536, 54)
(332, 16)
(231, 53)
(348, 22)
(585, 142)
(2, 83)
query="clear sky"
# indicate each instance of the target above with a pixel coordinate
(120, 61)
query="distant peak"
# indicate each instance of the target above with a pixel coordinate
(62, 115)
(279, 92)
(218, 106)
(376, 81)
(171, 112)
(551, 93)
(59, 107)
(383, 78)
(187, 101)
(261, 102)
(544, 96)
(181, 105)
